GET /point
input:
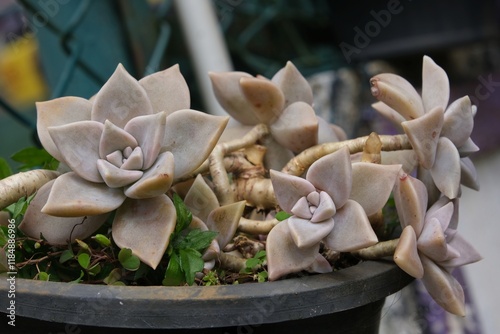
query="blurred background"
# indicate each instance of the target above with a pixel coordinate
(52, 48)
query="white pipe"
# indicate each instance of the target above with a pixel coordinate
(206, 46)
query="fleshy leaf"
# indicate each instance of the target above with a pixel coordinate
(435, 85)
(167, 90)
(145, 227)
(423, 134)
(297, 128)
(293, 85)
(468, 254)
(115, 177)
(368, 178)
(114, 139)
(333, 174)
(226, 87)
(283, 255)
(446, 169)
(134, 161)
(458, 121)
(398, 94)
(288, 189)
(60, 111)
(325, 210)
(200, 199)
(468, 148)
(352, 230)
(191, 136)
(56, 230)
(156, 180)
(406, 254)
(407, 158)
(224, 220)
(410, 196)
(389, 113)
(320, 265)
(78, 143)
(443, 287)
(72, 196)
(150, 132)
(266, 98)
(120, 99)
(306, 234)
(301, 208)
(468, 174)
(432, 241)
(329, 133)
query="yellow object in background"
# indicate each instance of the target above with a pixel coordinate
(21, 82)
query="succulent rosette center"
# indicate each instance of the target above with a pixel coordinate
(316, 207)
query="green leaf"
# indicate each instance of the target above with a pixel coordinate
(3, 236)
(113, 277)
(261, 255)
(262, 276)
(33, 157)
(128, 260)
(66, 256)
(84, 260)
(184, 216)
(173, 275)
(102, 240)
(4, 169)
(252, 263)
(95, 269)
(282, 215)
(79, 279)
(191, 263)
(43, 276)
(82, 244)
(198, 239)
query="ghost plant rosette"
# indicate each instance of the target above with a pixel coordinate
(124, 147)
(135, 145)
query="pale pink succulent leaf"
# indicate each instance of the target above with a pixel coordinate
(116, 158)
(115, 177)
(265, 97)
(389, 113)
(314, 198)
(468, 174)
(301, 209)
(120, 99)
(443, 211)
(410, 197)
(423, 134)
(432, 241)
(293, 85)
(226, 87)
(78, 143)
(443, 287)
(368, 179)
(114, 139)
(446, 169)
(425, 176)
(167, 90)
(58, 112)
(333, 174)
(191, 136)
(325, 210)
(56, 230)
(145, 226)
(72, 196)
(329, 133)
(149, 131)
(297, 127)
(224, 220)
(283, 255)
(406, 253)
(467, 253)
(156, 180)
(200, 199)
(407, 158)
(288, 189)
(352, 230)
(435, 85)
(468, 148)
(458, 121)
(398, 94)
(276, 156)
(135, 161)
(306, 234)
(320, 265)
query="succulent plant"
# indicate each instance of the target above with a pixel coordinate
(124, 148)
(439, 134)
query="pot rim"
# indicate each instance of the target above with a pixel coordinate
(205, 306)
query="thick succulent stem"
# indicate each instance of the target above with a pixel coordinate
(378, 251)
(304, 160)
(256, 227)
(22, 184)
(372, 149)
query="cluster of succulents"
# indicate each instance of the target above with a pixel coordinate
(124, 153)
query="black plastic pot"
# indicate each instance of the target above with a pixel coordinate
(345, 301)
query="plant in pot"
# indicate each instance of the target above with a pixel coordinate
(151, 197)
